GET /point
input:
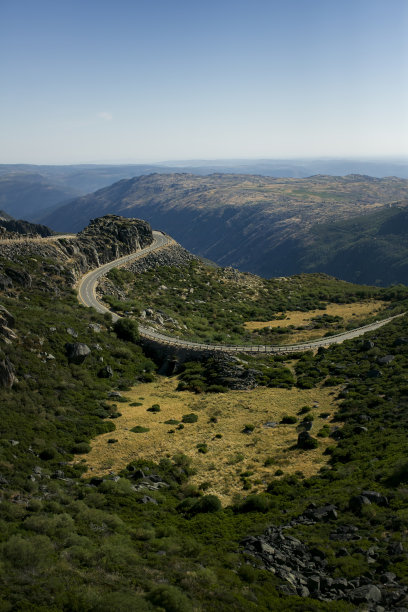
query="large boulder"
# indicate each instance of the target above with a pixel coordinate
(367, 594)
(77, 352)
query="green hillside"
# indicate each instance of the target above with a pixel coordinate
(267, 226)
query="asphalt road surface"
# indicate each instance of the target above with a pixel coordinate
(87, 296)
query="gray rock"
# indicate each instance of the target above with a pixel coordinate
(387, 577)
(95, 327)
(77, 352)
(72, 332)
(105, 372)
(7, 316)
(323, 513)
(5, 282)
(386, 359)
(374, 373)
(375, 497)
(146, 499)
(313, 583)
(7, 374)
(396, 548)
(303, 591)
(357, 502)
(369, 594)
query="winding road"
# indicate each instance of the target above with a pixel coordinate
(87, 296)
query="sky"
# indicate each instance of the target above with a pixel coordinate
(133, 81)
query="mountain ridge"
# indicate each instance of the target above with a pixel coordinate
(263, 225)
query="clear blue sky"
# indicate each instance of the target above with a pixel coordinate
(151, 80)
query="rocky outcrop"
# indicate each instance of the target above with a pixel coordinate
(6, 325)
(104, 240)
(232, 373)
(10, 228)
(19, 277)
(173, 255)
(7, 374)
(111, 236)
(305, 571)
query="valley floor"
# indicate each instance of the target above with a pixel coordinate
(233, 462)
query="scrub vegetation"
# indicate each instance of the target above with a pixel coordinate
(150, 527)
(223, 306)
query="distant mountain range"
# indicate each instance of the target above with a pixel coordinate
(26, 190)
(353, 227)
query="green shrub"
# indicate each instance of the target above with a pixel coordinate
(189, 418)
(127, 329)
(81, 448)
(207, 503)
(304, 410)
(154, 408)
(170, 599)
(308, 418)
(288, 420)
(47, 454)
(255, 503)
(216, 389)
(140, 429)
(248, 428)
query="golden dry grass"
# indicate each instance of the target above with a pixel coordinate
(228, 456)
(354, 313)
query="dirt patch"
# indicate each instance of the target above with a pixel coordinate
(221, 421)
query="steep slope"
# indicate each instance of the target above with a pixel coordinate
(23, 195)
(371, 249)
(258, 224)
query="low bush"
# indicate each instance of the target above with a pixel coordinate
(288, 420)
(81, 448)
(190, 418)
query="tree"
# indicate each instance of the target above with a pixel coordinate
(127, 329)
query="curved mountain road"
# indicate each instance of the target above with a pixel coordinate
(87, 296)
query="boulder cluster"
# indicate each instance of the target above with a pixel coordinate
(305, 571)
